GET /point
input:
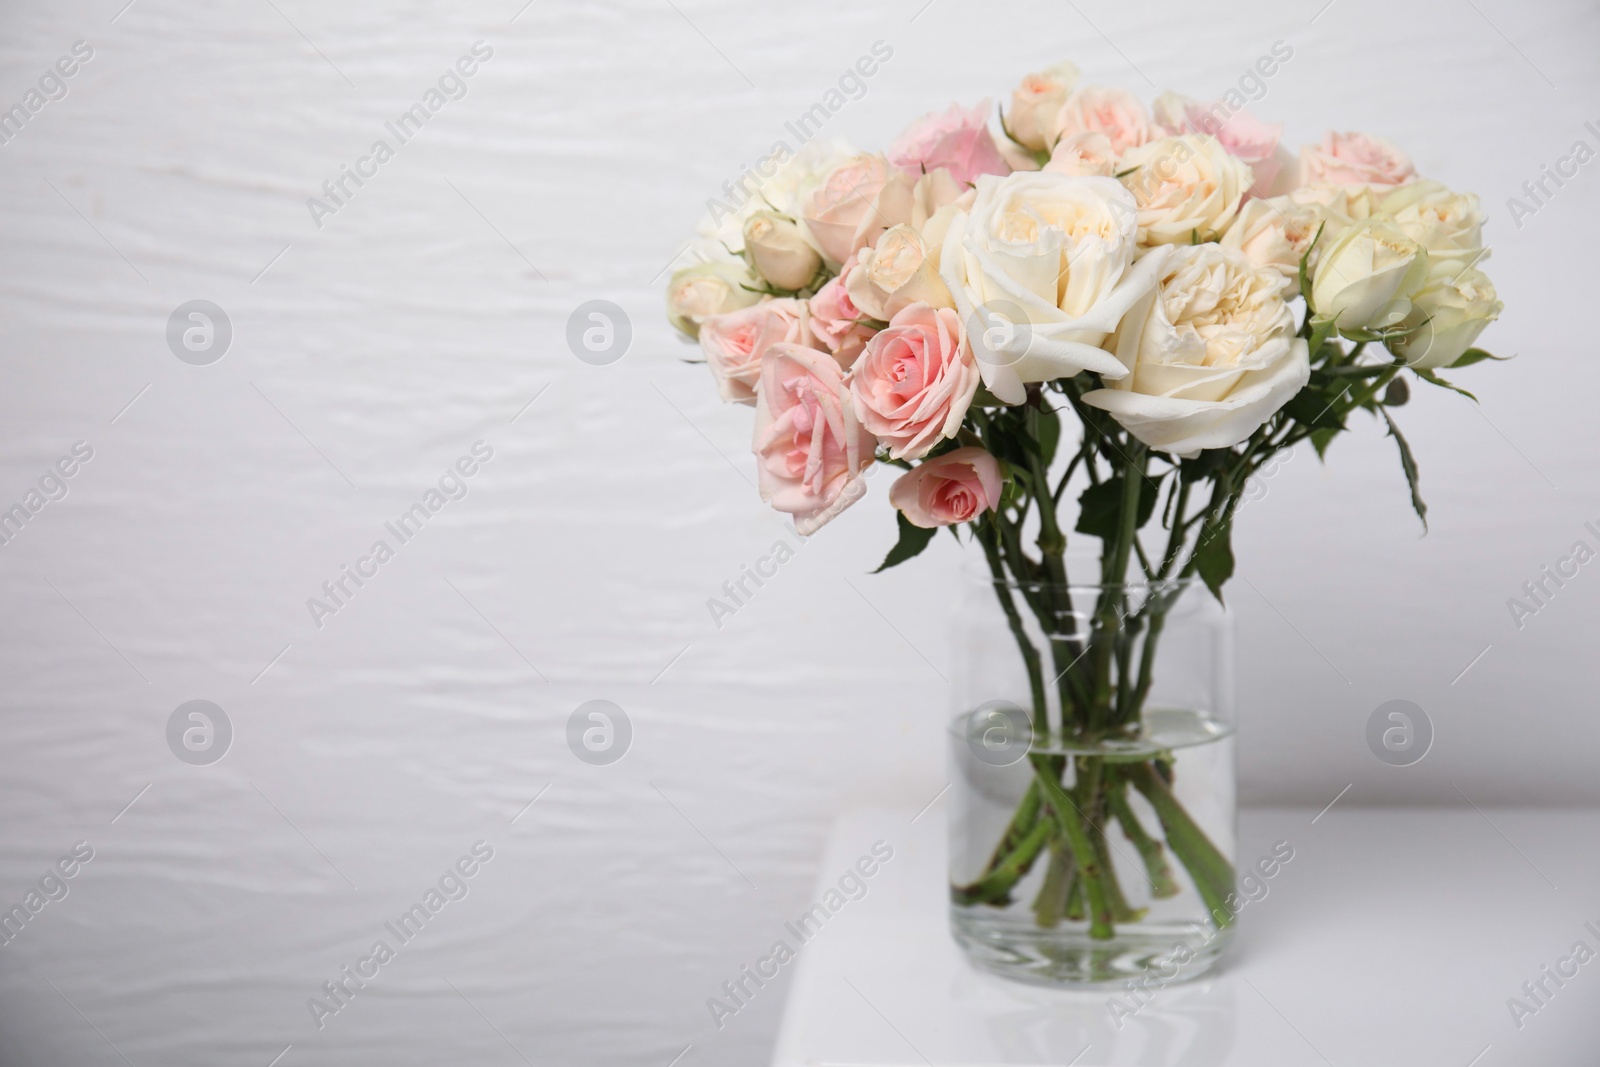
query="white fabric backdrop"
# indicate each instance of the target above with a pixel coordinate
(369, 354)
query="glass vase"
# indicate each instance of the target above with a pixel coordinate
(1092, 818)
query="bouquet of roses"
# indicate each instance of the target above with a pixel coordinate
(1194, 299)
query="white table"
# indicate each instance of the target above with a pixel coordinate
(1394, 936)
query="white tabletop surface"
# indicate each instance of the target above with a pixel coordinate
(1394, 936)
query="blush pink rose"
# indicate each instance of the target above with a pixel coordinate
(915, 381)
(859, 199)
(955, 487)
(810, 447)
(836, 321)
(1116, 113)
(735, 342)
(957, 140)
(1355, 159)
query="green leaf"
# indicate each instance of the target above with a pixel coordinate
(1476, 355)
(1205, 465)
(1213, 556)
(1433, 379)
(1100, 507)
(1315, 408)
(1408, 463)
(985, 399)
(1305, 283)
(913, 539)
(1321, 331)
(1397, 393)
(1321, 439)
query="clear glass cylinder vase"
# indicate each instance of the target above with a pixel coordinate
(1092, 819)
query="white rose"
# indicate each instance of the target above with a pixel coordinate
(894, 273)
(1275, 234)
(715, 287)
(1365, 279)
(1448, 313)
(1042, 269)
(779, 250)
(788, 179)
(1440, 220)
(1211, 353)
(1184, 185)
(1036, 102)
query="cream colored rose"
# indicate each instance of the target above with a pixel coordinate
(1042, 269)
(936, 189)
(1211, 354)
(1085, 154)
(895, 273)
(779, 251)
(1342, 206)
(1036, 103)
(1448, 313)
(1440, 220)
(1366, 278)
(1275, 234)
(715, 287)
(1184, 186)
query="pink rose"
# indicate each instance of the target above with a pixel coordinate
(1116, 113)
(735, 342)
(957, 140)
(1355, 159)
(955, 487)
(1243, 136)
(836, 321)
(913, 384)
(1080, 155)
(810, 448)
(860, 198)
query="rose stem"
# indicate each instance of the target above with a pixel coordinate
(1162, 883)
(1070, 819)
(994, 888)
(1213, 874)
(1052, 898)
